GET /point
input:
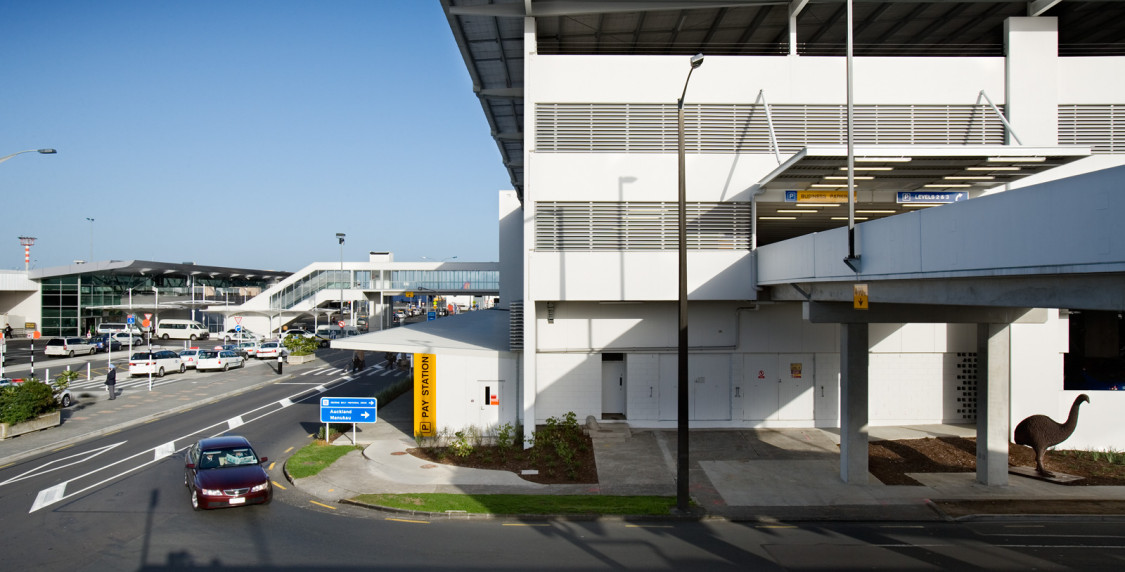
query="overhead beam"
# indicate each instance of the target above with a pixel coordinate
(841, 313)
(1038, 7)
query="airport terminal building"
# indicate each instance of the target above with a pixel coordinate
(980, 278)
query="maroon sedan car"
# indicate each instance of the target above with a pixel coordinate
(225, 471)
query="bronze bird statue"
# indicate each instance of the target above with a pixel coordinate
(1041, 432)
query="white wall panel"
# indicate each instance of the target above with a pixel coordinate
(568, 382)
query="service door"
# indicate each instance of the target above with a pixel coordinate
(795, 392)
(613, 388)
(487, 402)
(760, 381)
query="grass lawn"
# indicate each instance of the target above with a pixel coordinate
(525, 504)
(315, 457)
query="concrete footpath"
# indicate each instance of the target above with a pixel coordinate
(766, 474)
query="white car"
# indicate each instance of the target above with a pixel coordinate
(69, 347)
(233, 337)
(157, 363)
(271, 350)
(190, 357)
(219, 359)
(129, 337)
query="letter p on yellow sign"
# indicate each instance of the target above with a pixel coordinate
(859, 296)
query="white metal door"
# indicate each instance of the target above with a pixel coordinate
(795, 392)
(613, 388)
(760, 380)
(487, 401)
(710, 387)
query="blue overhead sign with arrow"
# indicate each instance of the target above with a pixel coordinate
(348, 409)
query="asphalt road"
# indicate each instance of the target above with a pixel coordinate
(118, 503)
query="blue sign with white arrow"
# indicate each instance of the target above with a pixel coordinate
(348, 409)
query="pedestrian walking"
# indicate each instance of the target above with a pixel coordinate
(111, 382)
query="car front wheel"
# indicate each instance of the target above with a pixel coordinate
(66, 401)
(93, 351)
(195, 500)
(182, 368)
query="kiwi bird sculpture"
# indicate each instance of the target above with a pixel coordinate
(1041, 432)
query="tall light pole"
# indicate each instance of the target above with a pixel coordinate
(40, 151)
(340, 237)
(91, 238)
(682, 499)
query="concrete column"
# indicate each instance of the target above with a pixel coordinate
(1031, 83)
(853, 403)
(994, 350)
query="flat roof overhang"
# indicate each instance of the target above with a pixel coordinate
(916, 167)
(883, 171)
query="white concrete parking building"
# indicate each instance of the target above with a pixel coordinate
(992, 277)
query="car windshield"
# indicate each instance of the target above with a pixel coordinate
(216, 458)
(187, 353)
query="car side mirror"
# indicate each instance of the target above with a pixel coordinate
(263, 460)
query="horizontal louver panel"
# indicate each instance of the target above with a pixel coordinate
(1101, 127)
(744, 128)
(605, 226)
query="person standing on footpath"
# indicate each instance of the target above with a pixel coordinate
(111, 382)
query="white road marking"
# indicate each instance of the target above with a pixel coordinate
(165, 450)
(285, 402)
(234, 422)
(57, 493)
(48, 496)
(43, 469)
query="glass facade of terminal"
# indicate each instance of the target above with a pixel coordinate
(75, 304)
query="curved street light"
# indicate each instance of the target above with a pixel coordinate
(40, 151)
(682, 498)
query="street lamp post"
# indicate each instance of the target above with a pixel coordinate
(340, 237)
(682, 499)
(91, 239)
(40, 151)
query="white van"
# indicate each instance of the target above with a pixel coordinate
(114, 327)
(181, 330)
(333, 332)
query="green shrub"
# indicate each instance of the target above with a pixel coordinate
(300, 345)
(26, 401)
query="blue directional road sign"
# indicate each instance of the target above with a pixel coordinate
(431, 316)
(348, 409)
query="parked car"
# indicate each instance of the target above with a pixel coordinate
(271, 350)
(232, 336)
(68, 347)
(249, 349)
(114, 327)
(225, 472)
(105, 342)
(189, 357)
(233, 348)
(221, 359)
(157, 363)
(127, 338)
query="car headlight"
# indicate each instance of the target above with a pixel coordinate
(261, 487)
(211, 492)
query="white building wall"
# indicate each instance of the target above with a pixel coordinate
(568, 382)
(459, 379)
(920, 373)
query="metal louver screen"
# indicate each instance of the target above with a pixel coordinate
(515, 326)
(607, 226)
(742, 128)
(1101, 127)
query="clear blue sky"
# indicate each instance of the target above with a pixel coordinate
(241, 133)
